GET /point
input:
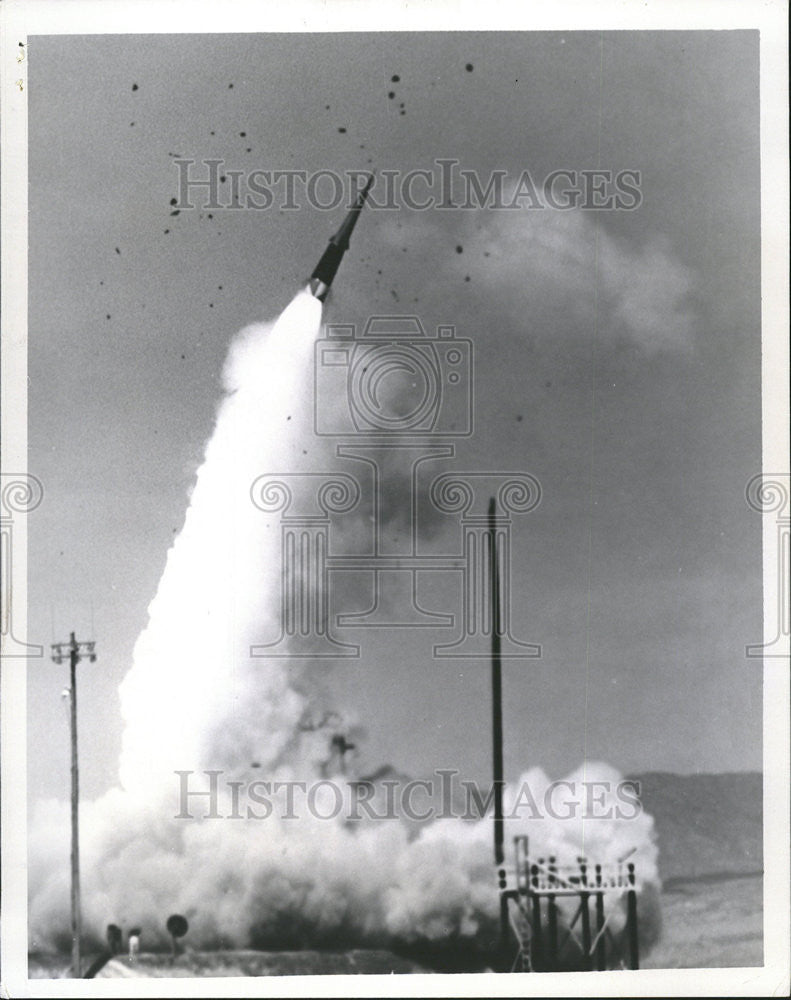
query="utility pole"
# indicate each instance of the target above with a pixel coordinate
(498, 775)
(497, 687)
(75, 651)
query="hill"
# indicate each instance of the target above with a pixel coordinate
(707, 824)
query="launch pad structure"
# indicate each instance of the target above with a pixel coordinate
(550, 938)
(530, 909)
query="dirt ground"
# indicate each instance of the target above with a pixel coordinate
(706, 923)
(710, 923)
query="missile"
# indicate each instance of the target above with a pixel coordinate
(325, 270)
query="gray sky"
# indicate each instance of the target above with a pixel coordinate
(617, 360)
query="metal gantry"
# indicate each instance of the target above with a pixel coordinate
(551, 937)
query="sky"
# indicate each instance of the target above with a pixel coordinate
(616, 359)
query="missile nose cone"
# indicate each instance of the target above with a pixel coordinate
(327, 267)
(341, 238)
(369, 184)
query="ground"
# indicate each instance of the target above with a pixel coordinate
(708, 922)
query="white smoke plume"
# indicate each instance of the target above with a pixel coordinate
(640, 294)
(564, 272)
(195, 700)
(214, 706)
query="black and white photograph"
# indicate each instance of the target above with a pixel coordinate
(395, 499)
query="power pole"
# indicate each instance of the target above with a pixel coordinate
(75, 651)
(498, 775)
(497, 686)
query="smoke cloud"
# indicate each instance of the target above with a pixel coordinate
(194, 700)
(533, 266)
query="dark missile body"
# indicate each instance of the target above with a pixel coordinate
(327, 267)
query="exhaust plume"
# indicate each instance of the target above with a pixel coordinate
(195, 700)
